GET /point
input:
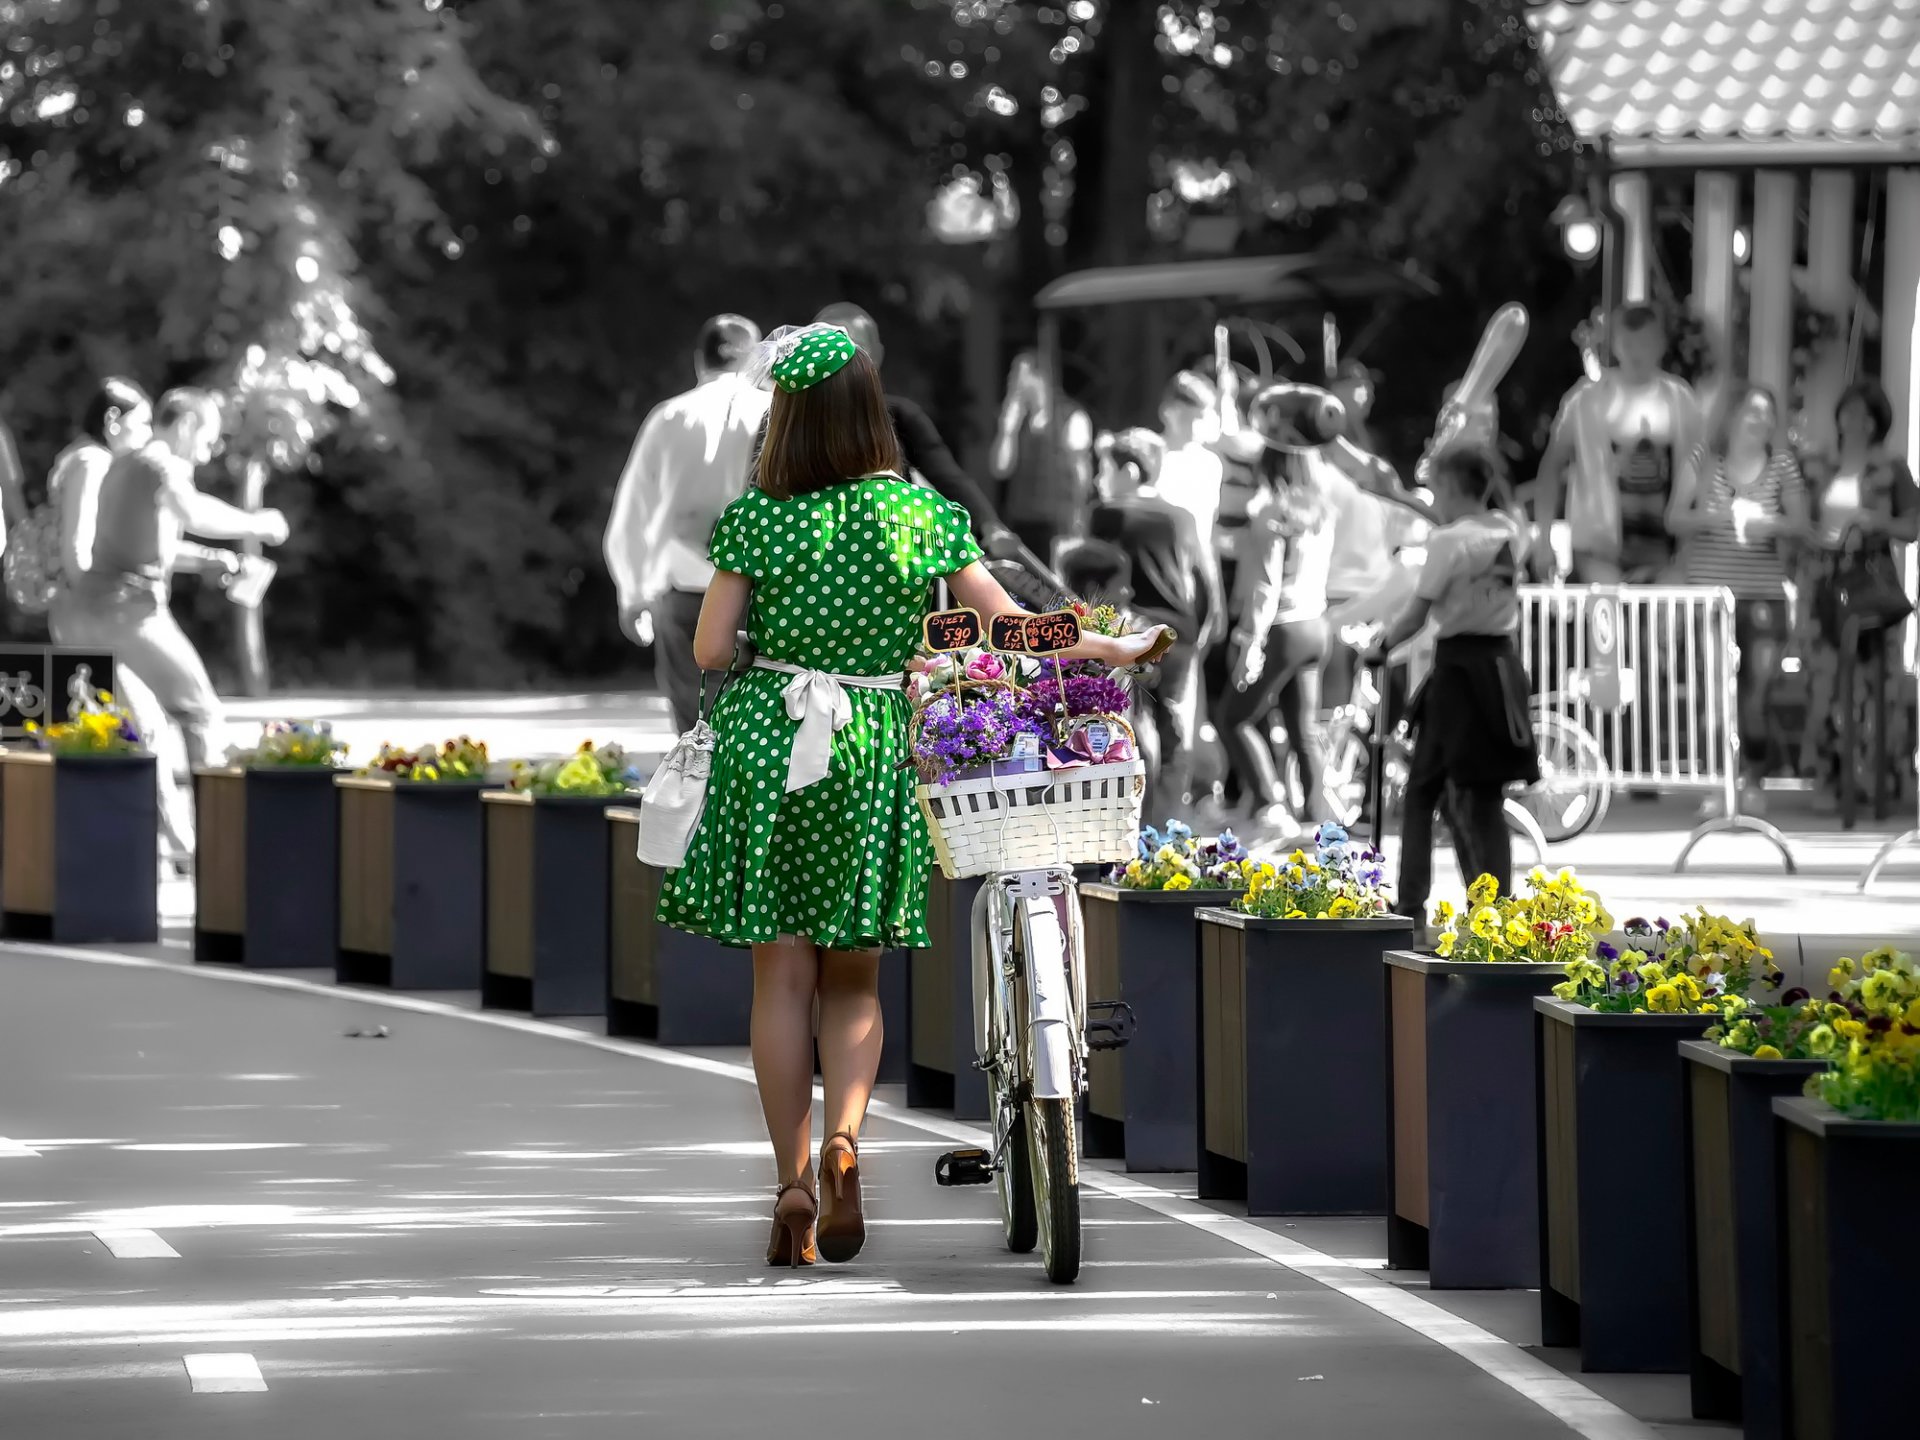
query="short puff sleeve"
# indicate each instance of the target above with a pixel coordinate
(736, 545)
(952, 548)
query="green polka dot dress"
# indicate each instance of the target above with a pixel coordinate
(841, 580)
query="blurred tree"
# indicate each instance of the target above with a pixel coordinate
(449, 252)
(188, 187)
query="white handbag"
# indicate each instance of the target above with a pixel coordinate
(675, 796)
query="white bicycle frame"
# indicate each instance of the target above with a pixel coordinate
(1055, 1038)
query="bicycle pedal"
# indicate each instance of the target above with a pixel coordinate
(964, 1167)
(1110, 1024)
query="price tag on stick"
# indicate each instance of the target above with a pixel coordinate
(947, 631)
(1050, 634)
(1009, 635)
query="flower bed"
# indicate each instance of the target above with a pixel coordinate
(294, 745)
(461, 761)
(1460, 1047)
(78, 860)
(1176, 861)
(1341, 880)
(590, 773)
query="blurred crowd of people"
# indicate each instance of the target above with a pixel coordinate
(1276, 577)
(1644, 484)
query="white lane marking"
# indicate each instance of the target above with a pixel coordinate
(14, 1150)
(196, 1147)
(228, 1373)
(135, 1245)
(1526, 1374)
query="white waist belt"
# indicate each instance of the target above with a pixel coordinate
(819, 702)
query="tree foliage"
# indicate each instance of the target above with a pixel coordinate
(443, 255)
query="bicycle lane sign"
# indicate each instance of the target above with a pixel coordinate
(40, 683)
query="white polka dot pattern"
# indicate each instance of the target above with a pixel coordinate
(840, 583)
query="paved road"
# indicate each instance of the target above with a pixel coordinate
(499, 1233)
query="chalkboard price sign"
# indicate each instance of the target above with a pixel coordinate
(1050, 634)
(949, 630)
(1010, 634)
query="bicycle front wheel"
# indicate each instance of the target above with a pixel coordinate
(1055, 1196)
(1576, 783)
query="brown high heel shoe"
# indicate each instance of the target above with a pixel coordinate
(843, 1225)
(794, 1213)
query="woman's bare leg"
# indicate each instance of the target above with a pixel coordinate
(850, 1034)
(785, 974)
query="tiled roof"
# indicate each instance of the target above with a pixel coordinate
(1771, 74)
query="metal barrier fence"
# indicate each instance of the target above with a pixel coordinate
(1652, 673)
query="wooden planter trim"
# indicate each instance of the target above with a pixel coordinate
(27, 845)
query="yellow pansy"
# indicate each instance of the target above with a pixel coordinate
(1179, 882)
(1766, 1052)
(1663, 1000)
(1444, 945)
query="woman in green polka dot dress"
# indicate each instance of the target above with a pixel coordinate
(811, 850)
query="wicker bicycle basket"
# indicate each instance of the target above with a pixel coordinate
(1023, 821)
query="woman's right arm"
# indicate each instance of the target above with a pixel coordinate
(1684, 515)
(976, 589)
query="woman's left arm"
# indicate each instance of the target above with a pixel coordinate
(1902, 519)
(723, 614)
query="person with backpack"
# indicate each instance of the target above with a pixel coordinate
(1473, 730)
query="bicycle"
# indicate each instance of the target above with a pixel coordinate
(1574, 792)
(1033, 1032)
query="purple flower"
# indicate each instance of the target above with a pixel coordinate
(1628, 983)
(1799, 995)
(1607, 952)
(1638, 926)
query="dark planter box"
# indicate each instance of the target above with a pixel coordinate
(1293, 1062)
(1462, 1168)
(1143, 948)
(1733, 1221)
(546, 903)
(1613, 1185)
(664, 984)
(940, 1053)
(81, 849)
(267, 872)
(1846, 1189)
(411, 861)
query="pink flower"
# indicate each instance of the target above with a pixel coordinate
(986, 666)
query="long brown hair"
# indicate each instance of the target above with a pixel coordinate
(828, 434)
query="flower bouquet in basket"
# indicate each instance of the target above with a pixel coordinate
(1177, 861)
(1025, 762)
(1340, 880)
(1705, 965)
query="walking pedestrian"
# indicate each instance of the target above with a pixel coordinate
(1281, 602)
(1473, 732)
(122, 541)
(1867, 503)
(811, 850)
(688, 463)
(1739, 502)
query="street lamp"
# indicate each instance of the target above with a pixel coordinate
(1580, 233)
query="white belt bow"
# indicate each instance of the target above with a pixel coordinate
(818, 700)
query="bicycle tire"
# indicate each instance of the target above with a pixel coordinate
(1584, 783)
(1055, 1192)
(1018, 1219)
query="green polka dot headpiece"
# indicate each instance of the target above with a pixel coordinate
(806, 356)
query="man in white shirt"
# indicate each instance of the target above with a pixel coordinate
(691, 460)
